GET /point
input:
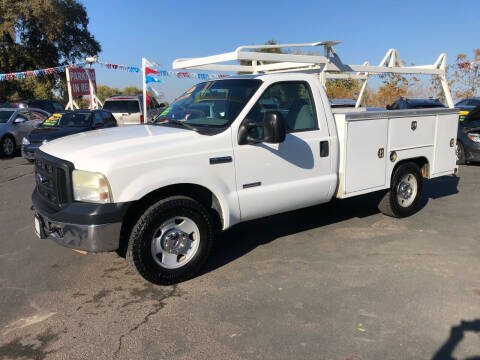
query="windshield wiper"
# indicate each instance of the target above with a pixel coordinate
(181, 123)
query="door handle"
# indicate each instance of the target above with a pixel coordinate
(324, 148)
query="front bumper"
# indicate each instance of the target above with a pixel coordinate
(91, 238)
(472, 151)
(28, 151)
(81, 226)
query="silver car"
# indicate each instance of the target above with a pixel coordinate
(15, 124)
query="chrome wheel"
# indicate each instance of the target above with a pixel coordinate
(407, 190)
(457, 152)
(175, 242)
(8, 146)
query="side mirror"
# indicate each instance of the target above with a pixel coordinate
(273, 130)
(389, 107)
(19, 120)
(274, 127)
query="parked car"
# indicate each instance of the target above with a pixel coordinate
(62, 124)
(50, 106)
(467, 105)
(161, 191)
(415, 103)
(15, 124)
(128, 109)
(342, 103)
(468, 138)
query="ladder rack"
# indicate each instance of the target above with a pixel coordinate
(326, 66)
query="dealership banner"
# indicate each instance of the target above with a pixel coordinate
(79, 81)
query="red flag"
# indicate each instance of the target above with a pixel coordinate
(148, 100)
(150, 71)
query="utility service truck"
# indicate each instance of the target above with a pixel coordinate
(236, 149)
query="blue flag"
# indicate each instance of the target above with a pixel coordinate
(149, 79)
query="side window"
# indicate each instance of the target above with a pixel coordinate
(293, 100)
(462, 103)
(37, 116)
(25, 114)
(57, 106)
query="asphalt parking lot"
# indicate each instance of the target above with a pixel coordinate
(337, 281)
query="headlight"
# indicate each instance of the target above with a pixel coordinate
(91, 187)
(474, 137)
(25, 141)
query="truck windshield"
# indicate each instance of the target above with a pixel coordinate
(212, 104)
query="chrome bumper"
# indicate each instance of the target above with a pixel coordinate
(91, 238)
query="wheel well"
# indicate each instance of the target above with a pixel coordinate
(199, 193)
(422, 163)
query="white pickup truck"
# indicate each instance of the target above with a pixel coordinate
(227, 151)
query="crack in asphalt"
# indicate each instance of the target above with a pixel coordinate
(153, 291)
(15, 178)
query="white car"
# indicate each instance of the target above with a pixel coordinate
(219, 156)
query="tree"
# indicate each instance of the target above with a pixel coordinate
(131, 90)
(39, 34)
(342, 88)
(465, 77)
(104, 92)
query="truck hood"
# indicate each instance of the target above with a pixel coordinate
(103, 149)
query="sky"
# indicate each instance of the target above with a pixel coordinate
(165, 30)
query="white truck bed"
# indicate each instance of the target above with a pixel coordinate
(427, 133)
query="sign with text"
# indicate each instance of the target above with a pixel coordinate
(79, 81)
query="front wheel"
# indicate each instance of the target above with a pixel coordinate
(405, 192)
(7, 146)
(171, 240)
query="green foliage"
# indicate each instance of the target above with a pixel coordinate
(38, 34)
(131, 90)
(104, 91)
(342, 88)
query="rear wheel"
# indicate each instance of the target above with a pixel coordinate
(460, 153)
(405, 193)
(171, 240)
(7, 146)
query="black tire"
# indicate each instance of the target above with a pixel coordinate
(390, 204)
(3, 148)
(139, 251)
(460, 153)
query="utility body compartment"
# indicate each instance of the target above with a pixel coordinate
(371, 143)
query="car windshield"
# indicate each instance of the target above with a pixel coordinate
(122, 106)
(212, 104)
(5, 115)
(70, 119)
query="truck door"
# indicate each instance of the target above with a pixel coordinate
(273, 178)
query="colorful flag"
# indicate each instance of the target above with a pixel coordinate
(150, 71)
(149, 79)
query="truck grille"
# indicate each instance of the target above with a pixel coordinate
(52, 176)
